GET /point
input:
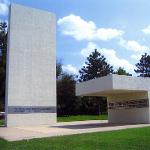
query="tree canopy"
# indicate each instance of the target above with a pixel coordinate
(143, 66)
(58, 68)
(122, 71)
(95, 66)
(66, 99)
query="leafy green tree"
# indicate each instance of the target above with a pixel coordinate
(3, 50)
(66, 99)
(96, 66)
(122, 71)
(143, 66)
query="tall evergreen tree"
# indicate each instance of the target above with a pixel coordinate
(143, 67)
(96, 66)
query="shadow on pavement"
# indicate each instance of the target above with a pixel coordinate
(90, 125)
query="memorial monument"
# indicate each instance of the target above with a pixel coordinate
(31, 68)
(127, 97)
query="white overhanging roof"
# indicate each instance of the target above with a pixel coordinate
(112, 84)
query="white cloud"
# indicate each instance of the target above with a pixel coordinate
(87, 51)
(110, 55)
(4, 7)
(108, 33)
(133, 46)
(146, 30)
(136, 57)
(70, 69)
(81, 29)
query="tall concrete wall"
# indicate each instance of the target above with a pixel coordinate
(31, 68)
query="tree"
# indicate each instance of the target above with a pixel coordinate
(58, 68)
(66, 99)
(143, 67)
(96, 66)
(122, 71)
(3, 50)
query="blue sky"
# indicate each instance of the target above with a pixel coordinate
(119, 29)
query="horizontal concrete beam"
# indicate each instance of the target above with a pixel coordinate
(112, 84)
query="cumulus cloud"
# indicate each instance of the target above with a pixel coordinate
(136, 57)
(4, 7)
(70, 69)
(133, 46)
(81, 29)
(146, 30)
(87, 50)
(110, 55)
(108, 33)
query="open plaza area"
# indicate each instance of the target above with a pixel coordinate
(47, 104)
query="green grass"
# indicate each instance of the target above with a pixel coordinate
(82, 118)
(129, 139)
(2, 122)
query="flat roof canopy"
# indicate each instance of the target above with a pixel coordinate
(112, 84)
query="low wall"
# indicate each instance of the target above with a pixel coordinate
(135, 115)
(126, 112)
(31, 119)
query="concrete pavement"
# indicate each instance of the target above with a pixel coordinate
(60, 129)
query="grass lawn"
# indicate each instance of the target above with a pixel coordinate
(2, 122)
(129, 139)
(82, 118)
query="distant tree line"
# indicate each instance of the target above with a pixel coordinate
(95, 66)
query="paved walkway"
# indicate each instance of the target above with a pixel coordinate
(59, 129)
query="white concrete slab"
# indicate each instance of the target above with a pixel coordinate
(112, 84)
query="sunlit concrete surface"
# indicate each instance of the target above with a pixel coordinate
(31, 67)
(127, 97)
(60, 129)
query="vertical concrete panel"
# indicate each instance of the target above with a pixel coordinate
(31, 68)
(130, 115)
(134, 115)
